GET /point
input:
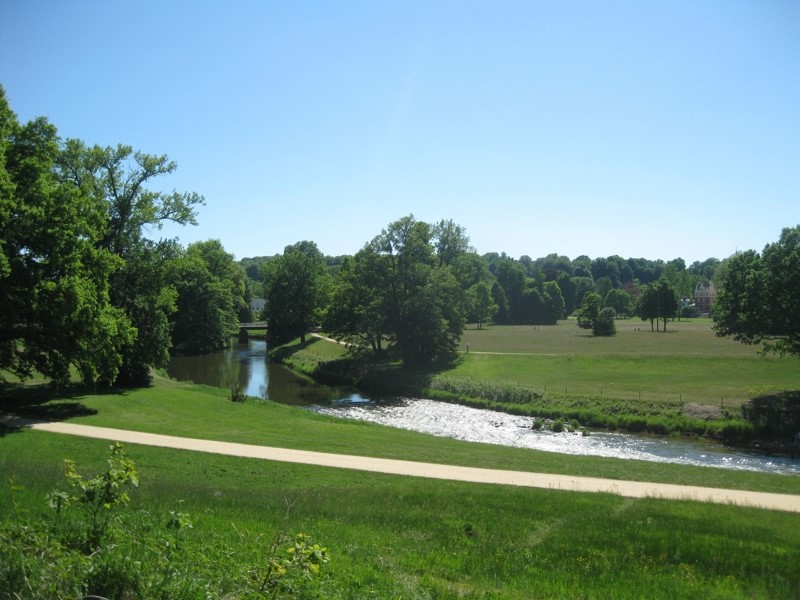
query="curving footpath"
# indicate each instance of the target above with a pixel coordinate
(631, 489)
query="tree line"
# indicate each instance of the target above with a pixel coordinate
(411, 289)
(81, 285)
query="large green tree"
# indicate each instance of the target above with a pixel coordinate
(296, 287)
(399, 290)
(118, 179)
(55, 309)
(211, 289)
(759, 298)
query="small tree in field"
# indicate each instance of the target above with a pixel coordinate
(590, 316)
(604, 324)
(589, 310)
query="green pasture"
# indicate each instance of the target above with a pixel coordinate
(688, 363)
(387, 536)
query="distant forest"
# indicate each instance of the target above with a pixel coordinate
(586, 274)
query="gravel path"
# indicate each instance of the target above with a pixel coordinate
(632, 489)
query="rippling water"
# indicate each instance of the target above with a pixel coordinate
(490, 427)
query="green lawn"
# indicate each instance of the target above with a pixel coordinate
(688, 363)
(394, 537)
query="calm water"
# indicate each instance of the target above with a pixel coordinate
(246, 364)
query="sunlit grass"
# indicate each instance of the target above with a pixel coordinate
(393, 537)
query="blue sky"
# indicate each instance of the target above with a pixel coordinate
(644, 129)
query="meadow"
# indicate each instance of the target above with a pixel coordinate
(385, 536)
(204, 526)
(687, 363)
(683, 381)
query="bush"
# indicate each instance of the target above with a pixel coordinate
(604, 324)
(237, 395)
(83, 552)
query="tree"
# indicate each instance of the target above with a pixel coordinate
(397, 290)
(620, 301)
(592, 316)
(647, 305)
(450, 241)
(55, 309)
(604, 324)
(589, 310)
(552, 307)
(117, 178)
(667, 300)
(296, 287)
(657, 301)
(210, 290)
(511, 276)
(481, 304)
(569, 289)
(758, 300)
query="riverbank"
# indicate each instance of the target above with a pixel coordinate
(470, 382)
(386, 535)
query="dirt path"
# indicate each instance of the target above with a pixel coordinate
(632, 489)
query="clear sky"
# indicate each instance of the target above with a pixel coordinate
(644, 129)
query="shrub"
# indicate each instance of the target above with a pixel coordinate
(237, 395)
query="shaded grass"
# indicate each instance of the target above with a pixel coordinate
(392, 537)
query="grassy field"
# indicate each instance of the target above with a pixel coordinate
(688, 363)
(388, 537)
(686, 380)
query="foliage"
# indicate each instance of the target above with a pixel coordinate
(287, 572)
(481, 307)
(774, 415)
(118, 178)
(97, 497)
(81, 286)
(144, 555)
(237, 395)
(657, 302)
(589, 311)
(296, 286)
(55, 307)
(758, 301)
(397, 290)
(211, 290)
(620, 301)
(604, 324)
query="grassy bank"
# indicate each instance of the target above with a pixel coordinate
(386, 537)
(684, 381)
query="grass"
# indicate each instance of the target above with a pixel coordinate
(688, 363)
(686, 380)
(189, 410)
(393, 537)
(389, 537)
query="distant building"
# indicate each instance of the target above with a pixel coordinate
(257, 307)
(704, 296)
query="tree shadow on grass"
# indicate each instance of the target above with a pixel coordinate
(40, 402)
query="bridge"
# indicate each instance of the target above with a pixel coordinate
(245, 327)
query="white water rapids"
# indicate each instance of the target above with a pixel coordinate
(490, 427)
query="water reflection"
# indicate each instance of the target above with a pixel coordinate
(247, 365)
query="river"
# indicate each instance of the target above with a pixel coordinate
(247, 366)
